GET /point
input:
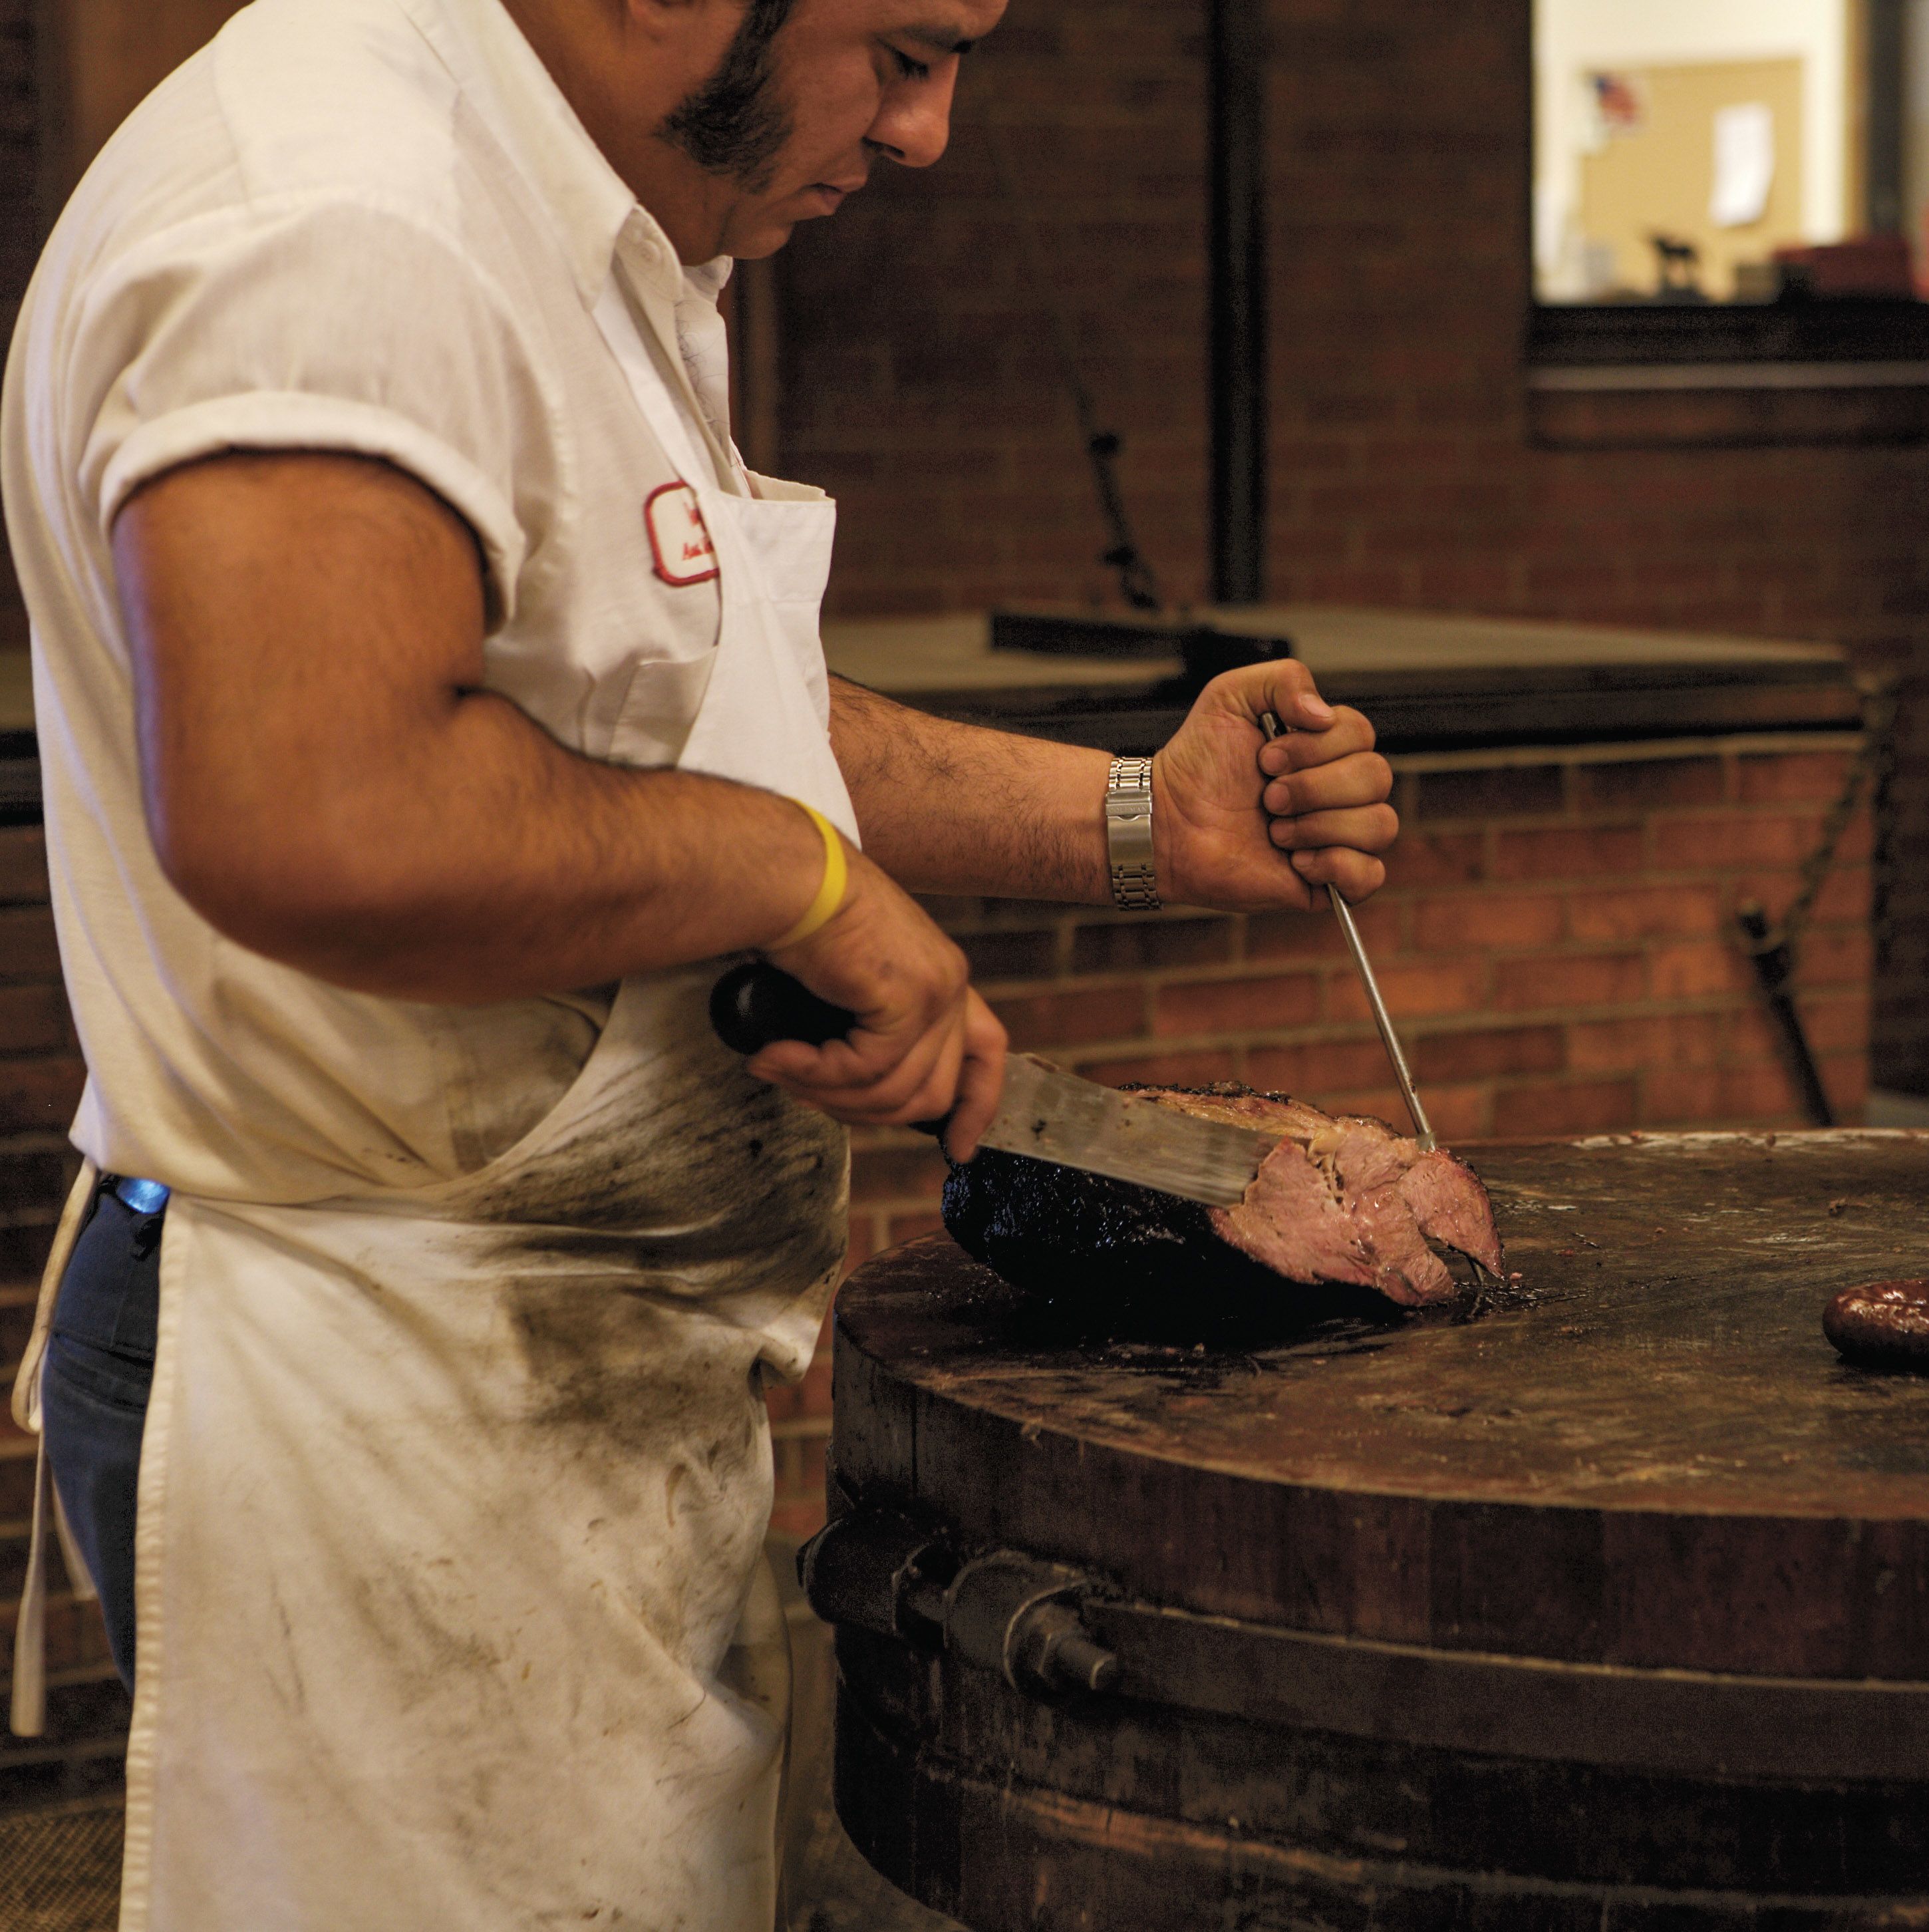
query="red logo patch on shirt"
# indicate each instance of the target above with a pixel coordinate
(678, 537)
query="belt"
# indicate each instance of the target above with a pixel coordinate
(144, 1197)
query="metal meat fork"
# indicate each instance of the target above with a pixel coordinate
(1350, 932)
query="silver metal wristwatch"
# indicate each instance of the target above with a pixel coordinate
(1128, 835)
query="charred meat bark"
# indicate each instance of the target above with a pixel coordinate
(1345, 1201)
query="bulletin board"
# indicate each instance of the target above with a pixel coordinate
(1659, 174)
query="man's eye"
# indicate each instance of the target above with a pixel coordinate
(911, 70)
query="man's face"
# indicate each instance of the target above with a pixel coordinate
(786, 126)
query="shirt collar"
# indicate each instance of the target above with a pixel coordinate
(504, 78)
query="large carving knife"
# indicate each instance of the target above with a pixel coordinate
(1350, 932)
(1046, 1113)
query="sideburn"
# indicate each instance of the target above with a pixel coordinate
(734, 125)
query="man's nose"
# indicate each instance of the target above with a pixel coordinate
(913, 123)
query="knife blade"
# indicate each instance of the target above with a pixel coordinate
(1044, 1112)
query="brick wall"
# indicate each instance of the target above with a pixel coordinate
(1406, 464)
(1554, 937)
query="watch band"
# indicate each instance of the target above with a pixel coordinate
(1128, 835)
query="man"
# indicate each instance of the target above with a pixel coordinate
(429, 701)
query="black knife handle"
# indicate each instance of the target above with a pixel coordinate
(756, 1003)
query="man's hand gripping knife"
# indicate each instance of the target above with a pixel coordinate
(926, 1046)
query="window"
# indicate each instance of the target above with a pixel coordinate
(1729, 180)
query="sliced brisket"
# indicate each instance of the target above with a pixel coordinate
(1343, 1200)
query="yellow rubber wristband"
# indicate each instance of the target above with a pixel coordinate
(822, 909)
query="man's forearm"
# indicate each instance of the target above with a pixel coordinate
(948, 808)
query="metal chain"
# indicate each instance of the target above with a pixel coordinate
(1871, 765)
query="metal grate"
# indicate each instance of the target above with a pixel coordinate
(60, 1871)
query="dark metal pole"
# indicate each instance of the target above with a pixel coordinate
(1886, 94)
(1236, 82)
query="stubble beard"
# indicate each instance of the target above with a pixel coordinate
(737, 124)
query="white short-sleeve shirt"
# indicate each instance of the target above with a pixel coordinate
(373, 226)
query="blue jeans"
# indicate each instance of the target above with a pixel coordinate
(94, 1397)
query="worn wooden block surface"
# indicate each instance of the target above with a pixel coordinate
(1654, 1399)
(1645, 1460)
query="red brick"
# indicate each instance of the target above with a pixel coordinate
(1696, 969)
(1646, 783)
(1236, 1006)
(34, 1181)
(798, 1518)
(1847, 894)
(896, 1172)
(1465, 1112)
(1010, 956)
(27, 948)
(1166, 1070)
(1556, 980)
(39, 1094)
(1542, 1109)
(23, 864)
(1845, 1079)
(1489, 920)
(1511, 792)
(1148, 945)
(1711, 842)
(908, 1227)
(1316, 935)
(1419, 991)
(809, 1397)
(799, 1465)
(1835, 959)
(1667, 1040)
(1073, 1018)
(1436, 859)
(1713, 1096)
(23, 1252)
(33, 1019)
(1317, 1067)
(1488, 1053)
(1645, 912)
(1836, 1021)
(1561, 852)
(862, 1243)
(1790, 776)
(76, 1638)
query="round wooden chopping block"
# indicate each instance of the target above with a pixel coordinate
(1607, 1607)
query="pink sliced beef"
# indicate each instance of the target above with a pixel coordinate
(1347, 1199)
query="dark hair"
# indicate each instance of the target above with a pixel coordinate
(734, 124)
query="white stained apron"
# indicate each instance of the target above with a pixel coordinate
(451, 1607)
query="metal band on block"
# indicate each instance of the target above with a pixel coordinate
(1128, 835)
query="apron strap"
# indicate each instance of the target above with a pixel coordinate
(27, 1716)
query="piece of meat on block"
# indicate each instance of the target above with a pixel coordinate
(1345, 1201)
